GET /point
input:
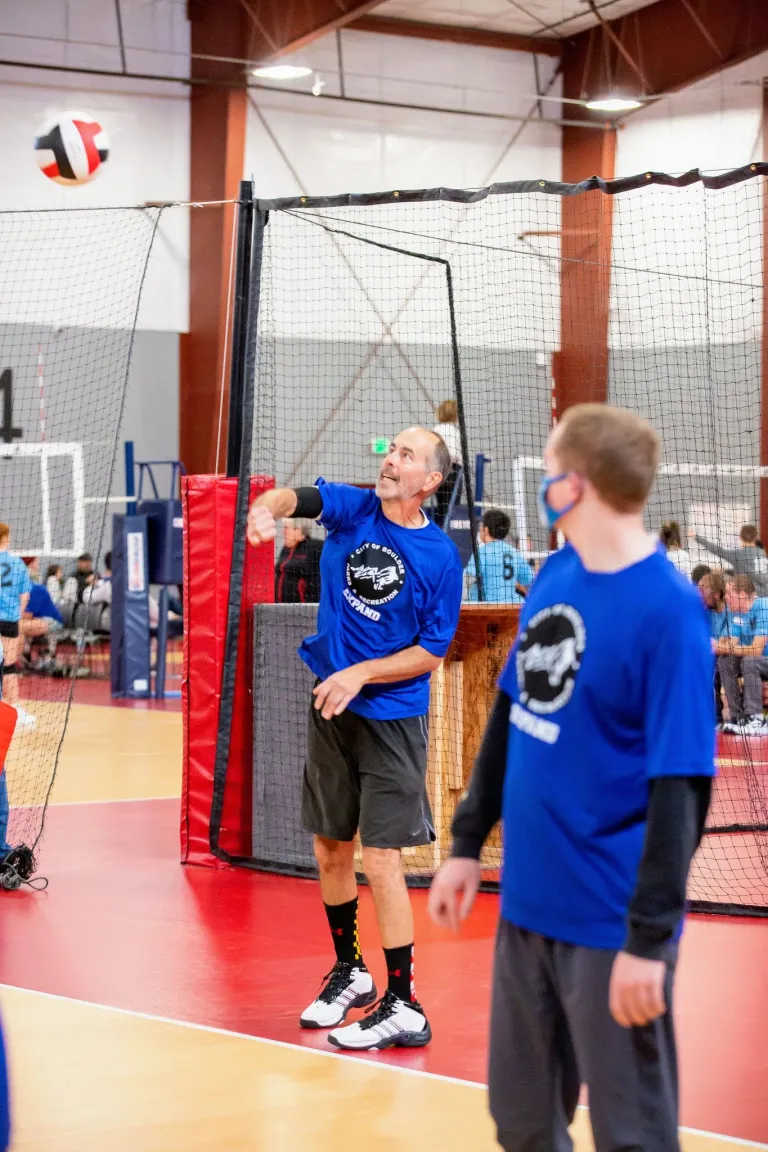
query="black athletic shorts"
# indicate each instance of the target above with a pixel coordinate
(368, 775)
(9, 629)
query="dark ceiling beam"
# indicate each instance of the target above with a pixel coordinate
(678, 41)
(454, 34)
(281, 26)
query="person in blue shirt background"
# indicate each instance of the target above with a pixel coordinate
(599, 755)
(390, 596)
(711, 585)
(15, 586)
(40, 622)
(505, 572)
(742, 653)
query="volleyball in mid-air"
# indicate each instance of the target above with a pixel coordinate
(71, 148)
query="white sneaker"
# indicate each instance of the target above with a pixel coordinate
(345, 987)
(391, 1024)
(25, 719)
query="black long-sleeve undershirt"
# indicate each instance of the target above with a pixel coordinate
(677, 810)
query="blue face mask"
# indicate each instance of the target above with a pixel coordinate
(547, 515)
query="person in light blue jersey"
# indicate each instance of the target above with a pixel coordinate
(505, 572)
(599, 756)
(15, 586)
(741, 652)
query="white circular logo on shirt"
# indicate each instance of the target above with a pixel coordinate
(548, 658)
(375, 573)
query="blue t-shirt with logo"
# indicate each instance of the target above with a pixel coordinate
(744, 626)
(502, 567)
(384, 588)
(14, 582)
(611, 687)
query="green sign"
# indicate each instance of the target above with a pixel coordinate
(380, 445)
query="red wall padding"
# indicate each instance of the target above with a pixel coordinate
(209, 516)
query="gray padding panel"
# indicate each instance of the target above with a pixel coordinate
(282, 689)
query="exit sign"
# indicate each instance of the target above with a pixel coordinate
(380, 445)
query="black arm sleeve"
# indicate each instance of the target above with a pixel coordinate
(309, 504)
(677, 810)
(480, 808)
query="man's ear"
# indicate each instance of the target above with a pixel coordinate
(432, 482)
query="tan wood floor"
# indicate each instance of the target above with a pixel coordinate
(92, 1079)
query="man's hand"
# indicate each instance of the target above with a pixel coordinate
(453, 892)
(335, 693)
(637, 990)
(261, 526)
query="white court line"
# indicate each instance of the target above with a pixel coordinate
(114, 800)
(346, 1057)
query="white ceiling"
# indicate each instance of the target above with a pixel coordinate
(550, 18)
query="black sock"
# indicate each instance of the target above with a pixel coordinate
(400, 972)
(342, 920)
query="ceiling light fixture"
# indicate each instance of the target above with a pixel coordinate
(614, 104)
(281, 71)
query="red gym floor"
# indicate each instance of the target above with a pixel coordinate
(124, 925)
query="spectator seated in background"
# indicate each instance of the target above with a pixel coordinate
(297, 572)
(747, 559)
(711, 585)
(75, 587)
(99, 618)
(699, 571)
(505, 572)
(742, 653)
(676, 554)
(54, 582)
(448, 427)
(40, 622)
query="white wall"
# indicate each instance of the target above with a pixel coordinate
(330, 148)
(688, 262)
(335, 288)
(147, 123)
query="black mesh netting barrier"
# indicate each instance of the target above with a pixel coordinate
(367, 312)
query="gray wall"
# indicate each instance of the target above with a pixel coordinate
(84, 374)
(320, 403)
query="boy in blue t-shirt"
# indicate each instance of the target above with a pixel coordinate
(15, 586)
(741, 652)
(390, 595)
(599, 757)
(505, 572)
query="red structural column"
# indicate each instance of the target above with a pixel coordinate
(581, 364)
(218, 117)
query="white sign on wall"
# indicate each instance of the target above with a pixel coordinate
(136, 578)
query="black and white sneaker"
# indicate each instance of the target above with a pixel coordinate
(344, 987)
(750, 727)
(390, 1024)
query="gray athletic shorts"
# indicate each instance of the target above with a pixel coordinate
(368, 775)
(552, 1030)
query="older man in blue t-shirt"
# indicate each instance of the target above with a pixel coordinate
(389, 605)
(741, 652)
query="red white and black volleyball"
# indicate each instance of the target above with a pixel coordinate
(71, 148)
